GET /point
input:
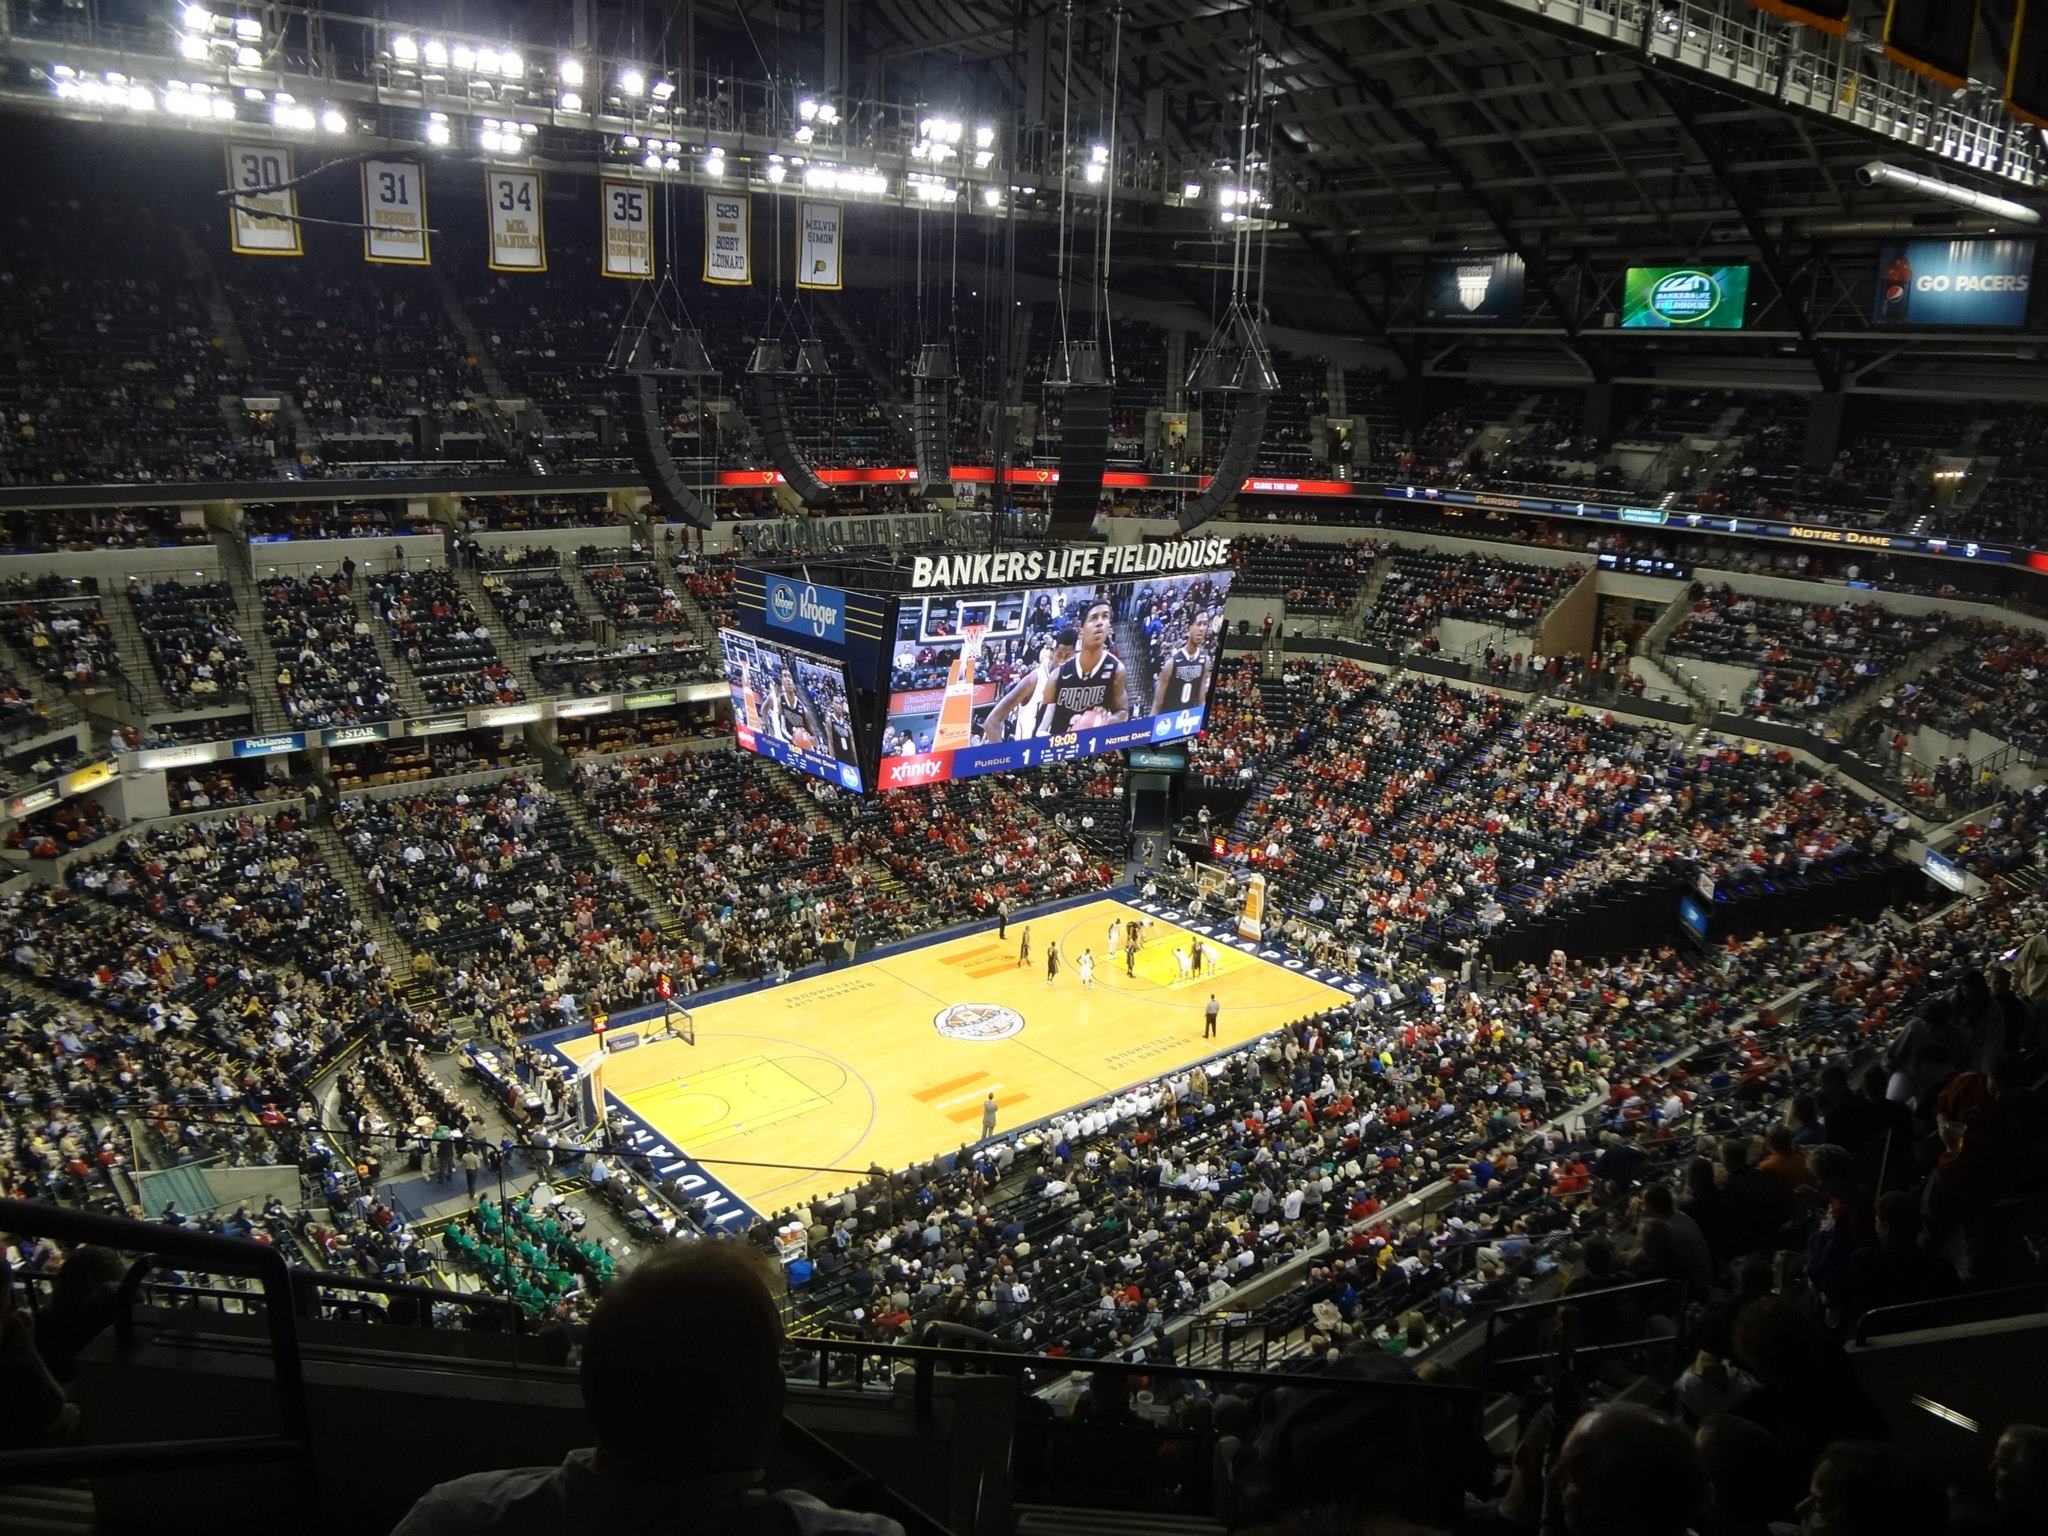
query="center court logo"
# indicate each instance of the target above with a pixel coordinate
(979, 1022)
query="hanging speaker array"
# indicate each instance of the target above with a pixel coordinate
(1234, 366)
(931, 418)
(644, 355)
(771, 375)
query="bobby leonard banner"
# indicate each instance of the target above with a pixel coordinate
(1830, 16)
(727, 239)
(1684, 298)
(395, 212)
(2026, 69)
(263, 213)
(628, 219)
(803, 608)
(1474, 288)
(1954, 282)
(1932, 38)
(820, 238)
(518, 241)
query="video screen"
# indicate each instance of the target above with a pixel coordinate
(986, 682)
(792, 707)
(1684, 298)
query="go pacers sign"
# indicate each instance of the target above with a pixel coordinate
(1684, 298)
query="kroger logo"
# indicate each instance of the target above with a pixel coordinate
(816, 611)
(1685, 298)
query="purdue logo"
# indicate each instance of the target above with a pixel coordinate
(978, 1022)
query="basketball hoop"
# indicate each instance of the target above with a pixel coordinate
(970, 640)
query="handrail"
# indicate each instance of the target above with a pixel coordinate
(1883, 1320)
(1514, 1310)
(801, 1444)
(203, 1251)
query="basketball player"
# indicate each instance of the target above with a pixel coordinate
(1024, 948)
(1087, 968)
(839, 731)
(1089, 689)
(1187, 966)
(1116, 934)
(1184, 680)
(1027, 696)
(1052, 962)
(750, 695)
(790, 712)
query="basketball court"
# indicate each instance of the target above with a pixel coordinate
(889, 1060)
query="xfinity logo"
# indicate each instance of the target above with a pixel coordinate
(915, 770)
(819, 612)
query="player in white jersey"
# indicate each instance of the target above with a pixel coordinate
(1027, 697)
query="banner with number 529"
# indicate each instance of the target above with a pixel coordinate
(518, 242)
(628, 227)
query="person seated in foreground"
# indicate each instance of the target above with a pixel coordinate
(682, 1382)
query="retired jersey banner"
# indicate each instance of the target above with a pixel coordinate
(820, 238)
(517, 241)
(727, 238)
(1932, 38)
(263, 213)
(1829, 16)
(628, 214)
(395, 212)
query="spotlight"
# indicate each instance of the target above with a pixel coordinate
(653, 160)
(672, 164)
(807, 109)
(984, 136)
(248, 58)
(714, 163)
(991, 196)
(511, 65)
(404, 49)
(435, 52)
(571, 71)
(804, 133)
(630, 141)
(672, 147)
(437, 132)
(223, 109)
(198, 18)
(1098, 154)
(982, 158)
(191, 47)
(487, 61)
(248, 28)
(1092, 172)
(632, 83)
(571, 102)
(776, 171)
(1192, 189)
(661, 90)
(333, 121)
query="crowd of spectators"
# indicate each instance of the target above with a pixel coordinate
(66, 638)
(1422, 588)
(189, 627)
(442, 638)
(328, 669)
(1810, 657)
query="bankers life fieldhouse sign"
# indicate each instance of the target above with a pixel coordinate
(905, 530)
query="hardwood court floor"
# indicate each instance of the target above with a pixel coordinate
(851, 1068)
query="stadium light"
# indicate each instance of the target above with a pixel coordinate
(435, 52)
(437, 128)
(982, 158)
(826, 176)
(333, 121)
(1092, 172)
(661, 90)
(511, 65)
(804, 133)
(672, 164)
(248, 29)
(776, 171)
(630, 141)
(198, 18)
(191, 47)
(1191, 190)
(571, 71)
(404, 49)
(807, 109)
(671, 147)
(653, 160)
(570, 102)
(991, 196)
(463, 56)
(248, 58)
(222, 109)
(632, 83)
(714, 161)
(984, 136)
(487, 61)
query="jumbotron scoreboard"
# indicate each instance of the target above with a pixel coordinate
(874, 675)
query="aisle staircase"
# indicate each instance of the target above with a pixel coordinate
(396, 952)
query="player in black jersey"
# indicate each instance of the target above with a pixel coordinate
(1089, 688)
(791, 713)
(1184, 680)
